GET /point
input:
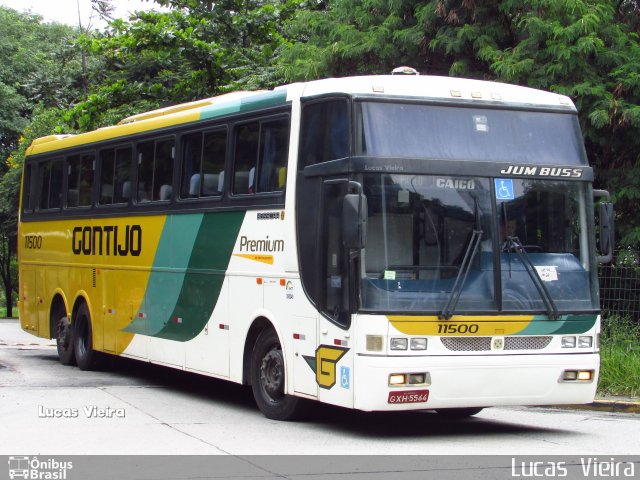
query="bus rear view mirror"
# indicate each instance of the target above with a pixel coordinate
(606, 223)
(354, 221)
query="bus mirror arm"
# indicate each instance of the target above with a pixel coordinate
(606, 223)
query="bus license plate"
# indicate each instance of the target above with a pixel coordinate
(409, 396)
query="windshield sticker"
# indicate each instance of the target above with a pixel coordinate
(504, 189)
(481, 123)
(547, 273)
(389, 275)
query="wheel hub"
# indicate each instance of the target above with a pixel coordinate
(63, 333)
(272, 374)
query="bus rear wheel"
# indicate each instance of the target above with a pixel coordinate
(64, 341)
(86, 356)
(268, 379)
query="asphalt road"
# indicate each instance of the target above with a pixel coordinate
(136, 408)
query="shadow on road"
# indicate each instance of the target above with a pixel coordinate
(127, 372)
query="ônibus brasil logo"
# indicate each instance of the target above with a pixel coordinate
(38, 469)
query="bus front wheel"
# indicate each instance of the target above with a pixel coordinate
(459, 412)
(86, 356)
(64, 341)
(268, 379)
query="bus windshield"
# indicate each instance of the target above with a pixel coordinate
(421, 228)
(472, 134)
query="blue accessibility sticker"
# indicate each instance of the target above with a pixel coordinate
(345, 377)
(504, 189)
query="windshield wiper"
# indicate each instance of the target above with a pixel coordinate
(514, 244)
(469, 255)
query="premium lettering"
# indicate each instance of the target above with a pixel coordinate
(107, 240)
(266, 245)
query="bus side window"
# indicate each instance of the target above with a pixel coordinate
(50, 184)
(115, 172)
(80, 180)
(155, 170)
(26, 188)
(214, 152)
(163, 171)
(191, 165)
(247, 141)
(145, 172)
(203, 158)
(107, 165)
(324, 132)
(274, 144)
(122, 175)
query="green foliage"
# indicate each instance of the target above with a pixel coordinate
(620, 357)
(38, 64)
(196, 50)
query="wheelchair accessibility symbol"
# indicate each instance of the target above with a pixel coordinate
(345, 377)
(504, 189)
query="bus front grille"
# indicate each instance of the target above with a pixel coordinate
(483, 344)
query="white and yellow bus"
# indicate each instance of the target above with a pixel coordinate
(379, 243)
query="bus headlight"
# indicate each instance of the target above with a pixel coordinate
(585, 342)
(568, 342)
(418, 344)
(399, 344)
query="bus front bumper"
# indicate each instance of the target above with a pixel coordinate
(473, 381)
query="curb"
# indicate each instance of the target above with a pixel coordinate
(611, 406)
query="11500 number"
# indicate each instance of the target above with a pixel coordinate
(457, 328)
(33, 242)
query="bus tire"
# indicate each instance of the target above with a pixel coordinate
(459, 412)
(268, 379)
(64, 341)
(86, 356)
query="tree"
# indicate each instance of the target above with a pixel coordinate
(195, 50)
(39, 68)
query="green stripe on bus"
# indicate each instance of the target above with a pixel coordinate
(567, 325)
(163, 287)
(204, 278)
(263, 100)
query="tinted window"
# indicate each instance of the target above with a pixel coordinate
(203, 157)
(475, 134)
(26, 188)
(246, 157)
(115, 183)
(261, 156)
(80, 180)
(325, 132)
(155, 171)
(50, 184)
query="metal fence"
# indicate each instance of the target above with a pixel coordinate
(620, 286)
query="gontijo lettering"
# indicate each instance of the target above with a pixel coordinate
(107, 240)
